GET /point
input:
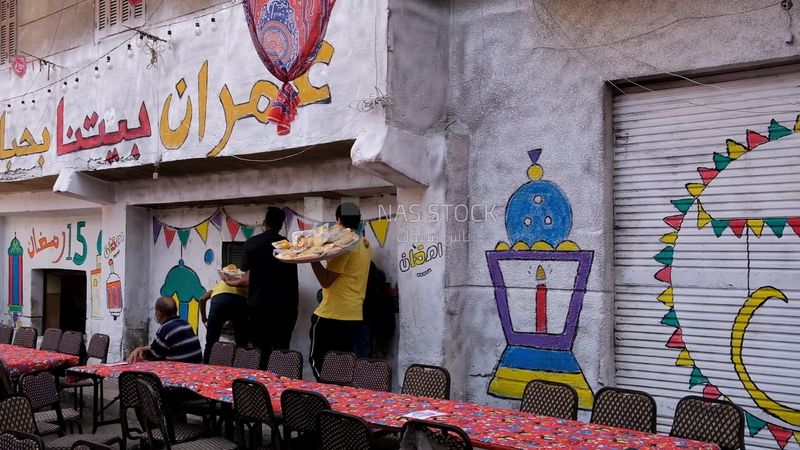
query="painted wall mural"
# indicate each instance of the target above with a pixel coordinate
(418, 256)
(183, 285)
(15, 278)
(717, 212)
(42, 243)
(539, 280)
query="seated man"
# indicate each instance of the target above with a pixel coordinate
(175, 340)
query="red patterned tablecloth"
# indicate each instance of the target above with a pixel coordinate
(488, 427)
(21, 360)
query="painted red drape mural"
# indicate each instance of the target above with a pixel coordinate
(287, 35)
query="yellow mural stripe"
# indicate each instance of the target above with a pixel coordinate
(703, 218)
(511, 383)
(756, 225)
(684, 359)
(695, 189)
(670, 238)
(797, 433)
(666, 297)
(761, 398)
(735, 149)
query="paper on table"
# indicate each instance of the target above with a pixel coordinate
(121, 363)
(424, 414)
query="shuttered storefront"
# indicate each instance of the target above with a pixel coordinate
(707, 247)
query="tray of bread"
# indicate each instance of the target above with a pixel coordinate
(231, 271)
(319, 244)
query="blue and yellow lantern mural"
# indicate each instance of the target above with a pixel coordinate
(183, 285)
(15, 253)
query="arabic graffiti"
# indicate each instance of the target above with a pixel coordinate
(38, 245)
(26, 145)
(113, 246)
(419, 256)
(102, 137)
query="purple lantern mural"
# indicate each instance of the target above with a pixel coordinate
(539, 280)
(287, 35)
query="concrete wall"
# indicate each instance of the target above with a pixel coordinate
(516, 85)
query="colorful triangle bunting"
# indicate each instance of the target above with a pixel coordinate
(664, 275)
(754, 139)
(797, 436)
(670, 238)
(780, 434)
(684, 359)
(303, 225)
(156, 229)
(380, 228)
(703, 218)
(216, 219)
(737, 226)
(671, 319)
(247, 231)
(233, 227)
(202, 230)
(666, 297)
(675, 221)
(796, 129)
(754, 424)
(794, 222)
(169, 235)
(711, 392)
(735, 149)
(721, 161)
(695, 189)
(776, 225)
(183, 236)
(777, 131)
(707, 174)
(683, 204)
(719, 226)
(676, 340)
(757, 225)
(288, 215)
(665, 256)
(697, 378)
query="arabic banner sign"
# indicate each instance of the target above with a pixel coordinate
(19, 65)
(287, 35)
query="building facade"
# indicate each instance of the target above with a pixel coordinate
(596, 193)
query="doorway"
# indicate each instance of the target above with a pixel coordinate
(64, 305)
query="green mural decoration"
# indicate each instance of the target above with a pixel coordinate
(183, 285)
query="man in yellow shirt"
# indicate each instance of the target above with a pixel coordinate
(344, 284)
(227, 303)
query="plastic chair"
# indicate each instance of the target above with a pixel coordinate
(548, 398)
(222, 354)
(72, 344)
(51, 339)
(337, 368)
(426, 381)
(252, 409)
(286, 363)
(247, 358)
(14, 440)
(625, 408)
(154, 423)
(41, 389)
(26, 337)
(6, 333)
(97, 350)
(715, 421)
(436, 435)
(339, 431)
(300, 409)
(374, 374)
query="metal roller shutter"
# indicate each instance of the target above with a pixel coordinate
(707, 248)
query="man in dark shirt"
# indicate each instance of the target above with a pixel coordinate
(273, 294)
(175, 340)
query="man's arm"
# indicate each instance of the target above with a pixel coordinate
(324, 276)
(203, 300)
(137, 354)
(157, 350)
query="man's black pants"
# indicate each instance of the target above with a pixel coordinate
(329, 335)
(270, 328)
(225, 307)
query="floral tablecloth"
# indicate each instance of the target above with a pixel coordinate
(488, 427)
(22, 360)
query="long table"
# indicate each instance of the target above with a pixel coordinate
(22, 360)
(488, 427)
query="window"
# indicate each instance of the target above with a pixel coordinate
(8, 30)
(232, 253)
(113, 16)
